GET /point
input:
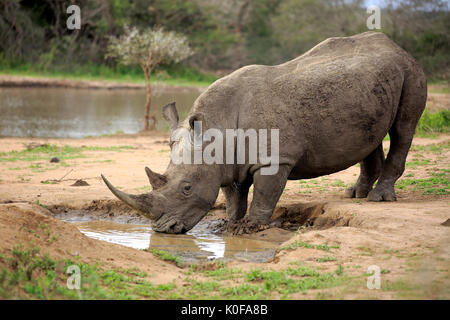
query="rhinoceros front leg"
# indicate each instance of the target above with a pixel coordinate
(267, 190)
(236, 200)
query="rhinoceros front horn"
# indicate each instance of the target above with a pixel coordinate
(142, 202)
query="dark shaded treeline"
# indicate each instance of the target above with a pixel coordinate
(226, 34)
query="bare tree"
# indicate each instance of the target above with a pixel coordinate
(148, 49)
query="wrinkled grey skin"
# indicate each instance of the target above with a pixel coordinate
(333, 106)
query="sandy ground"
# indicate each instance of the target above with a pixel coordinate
(406, 239)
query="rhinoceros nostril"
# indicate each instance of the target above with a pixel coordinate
(179, 228)
(170, 228)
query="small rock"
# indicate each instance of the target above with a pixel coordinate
(54, 160)
(446, 223)
(80, 183)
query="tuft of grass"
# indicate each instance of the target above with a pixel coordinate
(299, 244)
(338, 183)
(167, 256)
(416, 162)
(49, 182)
(144, 188)
(40, 204)
(365, 251)
(326, 259)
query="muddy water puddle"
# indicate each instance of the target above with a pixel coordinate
(198, 244)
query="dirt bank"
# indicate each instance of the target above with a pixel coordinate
(11, 81)
(24, 223)
(338, 238)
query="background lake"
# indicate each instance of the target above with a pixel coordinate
(77, 113)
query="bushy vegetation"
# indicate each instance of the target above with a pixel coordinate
(225, 34)
(434, 122)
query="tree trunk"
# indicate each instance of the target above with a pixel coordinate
(148, 92)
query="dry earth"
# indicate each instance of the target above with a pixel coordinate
(408, 239)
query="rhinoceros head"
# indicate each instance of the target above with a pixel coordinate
(181, 196)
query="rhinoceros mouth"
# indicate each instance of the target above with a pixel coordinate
(172, 226)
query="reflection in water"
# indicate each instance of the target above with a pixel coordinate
(130, 235)
(77, 113)
(196, 244)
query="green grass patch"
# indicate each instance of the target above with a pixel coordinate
(29, 274)
(49, 182)
(416, 163)
(299, 244)
(437, 148)
(338, 183)
(300, 279)
(437, 184)
(440, 89)
(47, 151)
(167, 256)
(144, 188)
(171, 75)
(326, 259)
(223, 273)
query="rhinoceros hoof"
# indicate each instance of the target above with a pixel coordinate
(245, 226)
(357, 191)
(382, 194)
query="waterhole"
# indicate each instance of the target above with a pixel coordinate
(77, 113)
(200, 243)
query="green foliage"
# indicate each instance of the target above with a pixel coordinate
(225, 34)
(434, 122)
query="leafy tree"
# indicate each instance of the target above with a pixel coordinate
(148, 49)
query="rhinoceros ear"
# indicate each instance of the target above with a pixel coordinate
(156, 180)
(171, 115)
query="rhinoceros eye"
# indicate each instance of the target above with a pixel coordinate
(187, 188)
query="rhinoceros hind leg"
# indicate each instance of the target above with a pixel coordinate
(382, 194)
(370, 171)
(412, 104)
